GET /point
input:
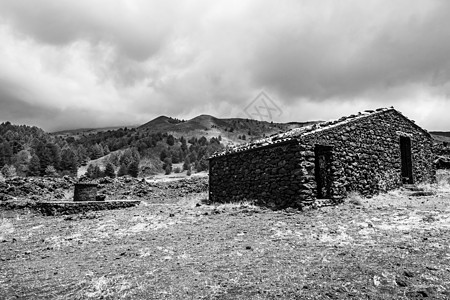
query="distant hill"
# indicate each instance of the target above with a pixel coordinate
(441, 133)
(89, 130)
(441, 136)
(233, 130)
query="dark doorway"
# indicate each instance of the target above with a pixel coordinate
(323, 171)
(405, 150)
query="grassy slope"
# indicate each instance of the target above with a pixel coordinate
(210, 126)
(391, 247)
(441, 138)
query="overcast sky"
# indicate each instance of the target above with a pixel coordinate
(95, 63)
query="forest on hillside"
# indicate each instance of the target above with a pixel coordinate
(29, 151)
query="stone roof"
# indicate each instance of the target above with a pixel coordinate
(299, 132)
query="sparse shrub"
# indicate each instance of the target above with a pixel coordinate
(168, 169)
(354, 198)
(51, 171)
(8, 171)
(167, 165)
(177, 170)
(443, 180)
(189, 171)
(186, 164)
(67, 173)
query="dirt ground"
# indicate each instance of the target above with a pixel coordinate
(392, 246)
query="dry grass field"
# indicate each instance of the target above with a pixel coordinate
(392, 246)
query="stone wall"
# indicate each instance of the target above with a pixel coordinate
(273, 176)
(366, 153)
(53, 208)
(85, 192)
(365, 157)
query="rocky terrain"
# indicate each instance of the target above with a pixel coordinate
(391, 246)
(61, 189)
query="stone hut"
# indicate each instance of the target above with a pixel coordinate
(319, 164)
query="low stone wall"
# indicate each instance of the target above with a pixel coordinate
(67, 208)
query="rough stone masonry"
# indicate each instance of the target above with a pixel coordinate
(318, 165)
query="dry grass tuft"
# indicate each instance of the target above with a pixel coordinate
(442, 183)
(443, 180)
(237, 205)
(193, 200)
(6, 228)
(104, 287)
(354, 198)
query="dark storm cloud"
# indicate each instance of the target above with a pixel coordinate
(56, 22)
(14, 108)
(351, 52)
(131, 60)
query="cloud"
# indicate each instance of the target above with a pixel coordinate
(352, 51)
(100, 63)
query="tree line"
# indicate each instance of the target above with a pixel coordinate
(29, 151)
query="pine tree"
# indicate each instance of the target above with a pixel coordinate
(168, 170)
(126, 158)
(69, 161)
(133, 169)
(135, 155)
(109, 170)
(106, 150)
(187, 163)
(163, 155)
(5, 153)
(203, 141)
(175, 155)
(21, 162)
(98, 172)
(90, 172)
(114, 159)
(167, 163)
(44, 156)
(96, 151)
(55, 155)
(34, 167)
(123, 170)
(82, 155)
(183, 144)
(170, 140)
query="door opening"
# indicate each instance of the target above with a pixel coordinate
(405, 150)
(323, 171)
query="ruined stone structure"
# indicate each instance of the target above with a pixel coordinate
(85, 192)
(319, 164)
